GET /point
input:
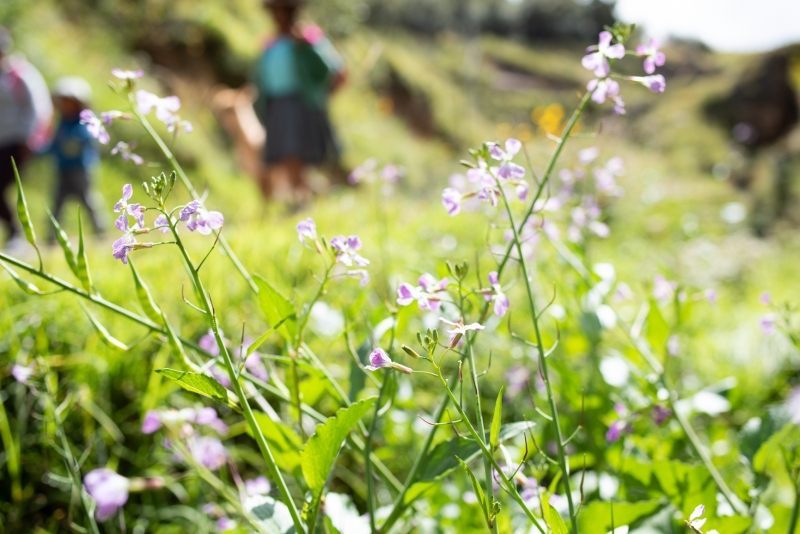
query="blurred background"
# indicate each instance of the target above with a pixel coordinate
(711, 181)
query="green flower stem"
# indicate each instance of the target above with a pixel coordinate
(237, 386)
(562, 457)
(795, 510)
(176, 166)
(487, 454)
(373, 427)
(12, 455)
(643, 349)
(69, 459)
(399, 505)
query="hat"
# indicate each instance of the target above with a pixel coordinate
(73, 87)
(6, 42)
(283, 3)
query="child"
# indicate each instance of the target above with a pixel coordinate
(294, 77)
(75, 151)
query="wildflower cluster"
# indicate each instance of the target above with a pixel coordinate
(342, 249)
(604, 54)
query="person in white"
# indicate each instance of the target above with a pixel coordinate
(26, 112)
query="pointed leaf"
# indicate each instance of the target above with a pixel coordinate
(200, 384)
(322, 448)
(63, 240)
(595, 517)
(262, 338)
(441, 461)
(556, 522)
(277, 308)
(476, 487)
(144, 296)
(24, 285)
(83, 263)
(22, 209)
(657, 328)
(494, 437)
(107, 338)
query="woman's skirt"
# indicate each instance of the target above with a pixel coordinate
(295, 130)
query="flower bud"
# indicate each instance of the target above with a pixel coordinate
(402, 368)
(411, 352)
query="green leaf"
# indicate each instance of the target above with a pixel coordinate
(24, 285)
(556, 523)
(278, 309)
(476, 487)
(83, 263)
(22, 209)
(686, 486)
(657, 328)
(786, 438)
(200, 384)
(107, 338)
(143, 295)
(322, 448)
(595, 518)
(270, 516)
(262, 338)
(283, 441)
(494, 437)
(442, 461)
(66, 246)
(734, 524)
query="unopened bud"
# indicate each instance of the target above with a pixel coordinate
(411, 352)
(402, 368)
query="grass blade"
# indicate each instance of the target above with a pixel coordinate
(25, 214)
(83, 262)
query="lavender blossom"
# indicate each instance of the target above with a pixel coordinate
(663, 289)
(378, 359)
(347, 248)
(108, 117)
(124, 209)
(655, 83)
(602, 89)
(127, 74)
(22, 373)
(661, 414)
(124, 150)
(208, 452)
(125, 244)
(162, 224)
(652, 56)
(199, 218)
(108, 489)
(765, 298)
(424, 294)
(257, 486)
(451, 200)
(459, 330)
(164, 107)
(597, 59)
(507, 169)
(152, 422)
(307, 229)
(361, 274)
(768, 324)
(615, 430)
(497, 296)
(95, 126)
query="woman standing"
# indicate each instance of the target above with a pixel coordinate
(294, 76)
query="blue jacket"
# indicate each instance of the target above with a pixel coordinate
(73, 146)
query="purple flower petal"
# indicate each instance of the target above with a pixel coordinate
(108, 489)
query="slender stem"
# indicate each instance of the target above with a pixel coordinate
(373, 427)
(487, 454)
(399, 505)
(237, 386)
(69, 459)
(643, 349)
(795, 511)
(562, 457)
(12, 455)
(188, 185)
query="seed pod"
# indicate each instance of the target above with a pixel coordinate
(66, 246)
(83, 263)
